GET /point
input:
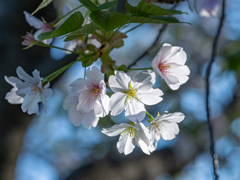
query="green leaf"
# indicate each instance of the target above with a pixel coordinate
(153, 19)
(143, 9)
(89, 59)
(73, 23)
(87, 29)
(108, 20)
(93, 7)
(43, 4)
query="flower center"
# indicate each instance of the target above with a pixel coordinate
(129, 132)
(94, 90)
(131, 93)
(164, 67)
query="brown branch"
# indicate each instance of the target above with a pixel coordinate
(208, 72)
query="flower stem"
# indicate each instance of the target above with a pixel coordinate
(51, 46)
(133, 28)
(61, 70)
(150, 68)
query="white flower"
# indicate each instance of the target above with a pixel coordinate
(31, 89)
(169, 64)
(130, 135)
(131, 95)
(88, 99)
(164, 126)
(39, 25)
(207, 8)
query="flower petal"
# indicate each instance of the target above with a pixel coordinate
(135, 110)
(94, 74)
(74, 116)
(161, 55)
(30, 103)
(173, 117)
(151, 96)
(119, 82)
(88, 119)
(125, 144)
(117, 103)
(24, 76)
(168, 130)
(144, 81)
(177, 55)
(116, 129)
(86, 102)
(33, 21)
(69, 101)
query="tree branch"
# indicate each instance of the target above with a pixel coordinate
(208, 72)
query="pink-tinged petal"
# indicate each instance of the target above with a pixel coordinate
(135, 110)
(144, 81)
(191, 4)
(168, 130)
(164, 52)
(119, 82)
(30, 103)
(80, 85)
(94, 74)
(86, 102)
(151, 96)
(133, 2)
(69, 101)
(125, 144)
(36, 75)
(117, 103)
(33, 21)
(24, 76)
(74, 116)
(177, 56)
(12, 80)
(88, 119)
(116, 129)
(176, 117)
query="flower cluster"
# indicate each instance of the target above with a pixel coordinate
(88, 100)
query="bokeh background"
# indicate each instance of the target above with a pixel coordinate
(48, 147)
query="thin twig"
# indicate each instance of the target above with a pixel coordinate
(208, 72)
(157, 40)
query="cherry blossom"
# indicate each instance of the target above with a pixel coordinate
(28, 39)
(88, 100)
(130, 135)
(131, 95)
(39, 25)
(169, 64)
(28, 91)
(164, 126)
